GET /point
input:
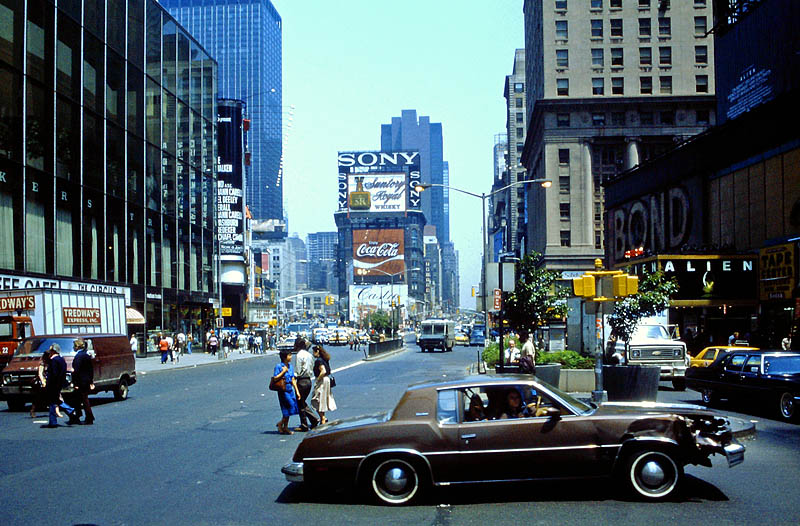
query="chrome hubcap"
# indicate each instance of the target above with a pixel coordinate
(652, 474)
(787, 405)
(395, 480)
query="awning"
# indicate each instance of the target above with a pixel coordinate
(133, 316)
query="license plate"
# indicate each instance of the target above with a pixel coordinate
(12, 390)
(735, 454)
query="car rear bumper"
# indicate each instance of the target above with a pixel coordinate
(293, 471)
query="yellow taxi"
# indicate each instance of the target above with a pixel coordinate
(462, 339)
(705, 357)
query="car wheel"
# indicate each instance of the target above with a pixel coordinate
(395, 482)
(708, 397)
(679, 384)
(788, 407)
(653, 474)
(121, 390)
(15, 404)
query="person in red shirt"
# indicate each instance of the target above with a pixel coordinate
(163, 346)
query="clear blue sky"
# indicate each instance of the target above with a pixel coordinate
(351, 65)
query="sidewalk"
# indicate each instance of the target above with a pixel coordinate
(152, 364)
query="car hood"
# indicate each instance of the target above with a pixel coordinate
(350, 423)
(653, 341)
(620, 408)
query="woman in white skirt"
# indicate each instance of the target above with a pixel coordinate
(322, 400)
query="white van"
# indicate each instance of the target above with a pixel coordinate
(437, 334)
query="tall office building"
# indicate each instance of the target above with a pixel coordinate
(108, 157)
(608, 84)
(322, 260)
(408, 132)
(245, 36)
(515, 198)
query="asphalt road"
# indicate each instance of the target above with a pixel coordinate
(199, 446)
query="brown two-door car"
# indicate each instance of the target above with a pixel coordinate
(482, 429)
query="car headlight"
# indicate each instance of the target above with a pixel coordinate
(6, 379)
(676, 352)
(69, 378)
(636, 353)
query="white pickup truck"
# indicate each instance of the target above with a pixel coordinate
(652, 345)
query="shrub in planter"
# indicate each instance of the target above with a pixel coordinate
(567, 359)
(492, 351)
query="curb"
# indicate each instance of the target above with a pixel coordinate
(385, 354)
(217, 362)
(742, 429)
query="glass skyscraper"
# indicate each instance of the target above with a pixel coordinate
(245, 37)
(107, 155)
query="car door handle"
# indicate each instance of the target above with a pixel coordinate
(467, 437)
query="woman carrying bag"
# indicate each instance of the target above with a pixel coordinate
(322, 399)
(287, 397)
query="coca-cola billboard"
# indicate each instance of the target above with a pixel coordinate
(378, 253)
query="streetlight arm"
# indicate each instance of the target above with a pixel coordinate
(424, 186)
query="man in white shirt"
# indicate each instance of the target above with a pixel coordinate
(527, 348)
(512, 353)
(303, 371)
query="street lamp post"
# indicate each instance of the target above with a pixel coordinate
(546, 183)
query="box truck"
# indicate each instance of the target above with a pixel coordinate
(32, 312)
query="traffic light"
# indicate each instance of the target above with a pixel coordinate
(584, 286)
(329, 300)
(473, 292)
(625, 285)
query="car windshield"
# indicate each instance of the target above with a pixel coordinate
(6, 330)
(432, 329)
(651, 331)
(37, 346)
(782, 364)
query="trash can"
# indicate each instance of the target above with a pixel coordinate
(631, 383)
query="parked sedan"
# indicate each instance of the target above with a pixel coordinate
(517, 427)
(769, 376)
(462, 339)
(707, 356)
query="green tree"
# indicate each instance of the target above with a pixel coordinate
(655, 291)
(536, 298)
(381, 321)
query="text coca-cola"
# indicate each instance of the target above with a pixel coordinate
(375, 250)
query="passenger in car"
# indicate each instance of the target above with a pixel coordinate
(514, 406)
(476, 411)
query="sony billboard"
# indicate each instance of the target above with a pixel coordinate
(376, 182)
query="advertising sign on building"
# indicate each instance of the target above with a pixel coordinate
(230, 180)
(378, 253)
(703, 279)
(373, 182)
(777, 271)
(364, 298)
(81, 316)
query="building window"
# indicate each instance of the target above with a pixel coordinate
(668, 118)
(520, 132)
(562, 120)
(597, 28)
(562, 58)
(645, 56)
(562, 30)
(562, 87)
(598, 212)
(618, 118)
(565, 238)
(700, 26)
(596, 4)
(615, 4)
(701, 55)
(520, 145)
(563, 208)
(702, 116)
(646, 85)
(598, 119)
(519, 102)
(616, 56)
(617, 86)
(702, 83)
(597, 58)
(519, 87)
(664, 27)
(665, 84)
(563, 156)
(699, 3)
(598, 239)
(646, 118)
(563, 184)
(561, 5)
(598, 86)
(519, 117)
(616, 27)
(665, 56)
(644, 4)
(645, 28)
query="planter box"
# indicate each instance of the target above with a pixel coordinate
(631, 383)
(576, 380)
